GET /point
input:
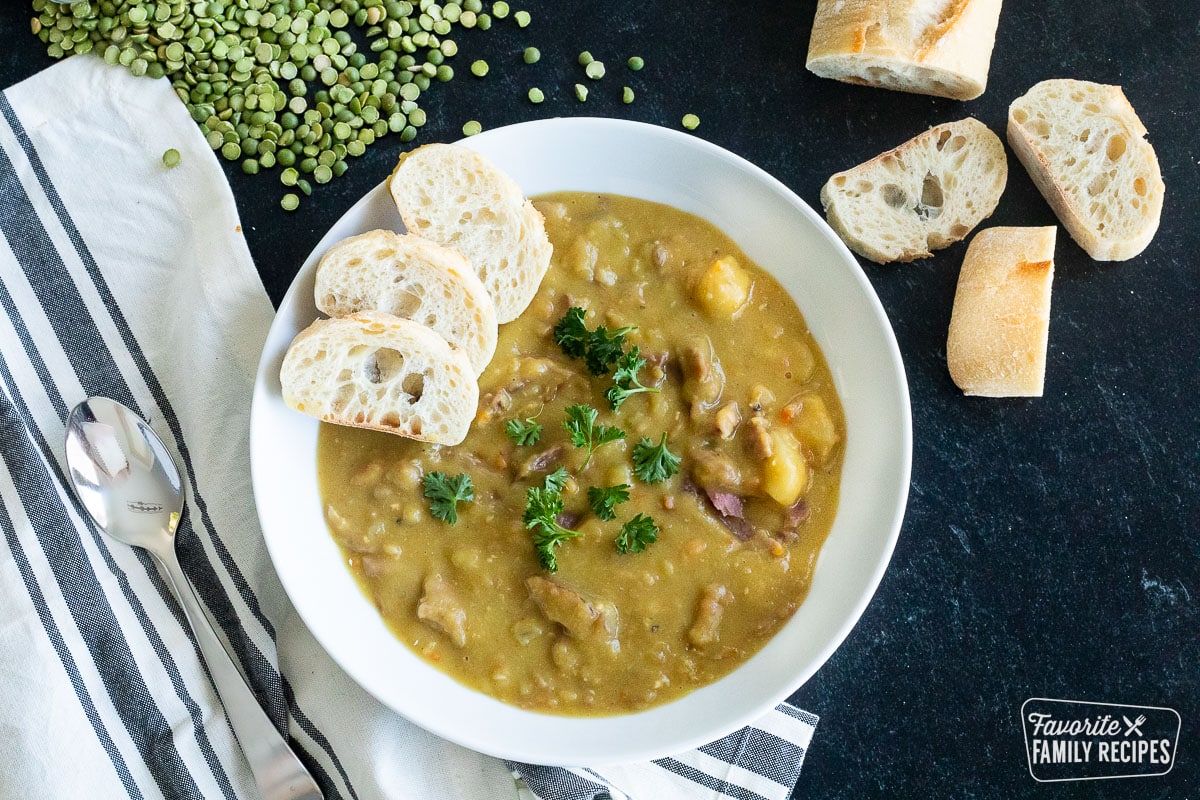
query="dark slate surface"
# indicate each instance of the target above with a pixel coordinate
(1050, 546)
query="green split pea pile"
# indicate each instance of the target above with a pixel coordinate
(279, 83)
(282, 83)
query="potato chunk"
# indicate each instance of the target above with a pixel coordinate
(810, 421)
(581, 258)
(785, 472)
(723, 288)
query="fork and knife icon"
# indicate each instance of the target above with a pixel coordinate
(1134, 726)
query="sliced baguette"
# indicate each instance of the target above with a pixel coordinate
(407, 276)
(459, 199)
(937, 47)
(1086, 150)
(924, 195)
(1000, 323)
(373, 370)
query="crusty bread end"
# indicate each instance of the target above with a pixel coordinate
(999, 326)
(937, 47)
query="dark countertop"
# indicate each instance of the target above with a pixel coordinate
(1051, 546)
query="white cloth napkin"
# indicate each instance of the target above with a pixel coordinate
(121, 277)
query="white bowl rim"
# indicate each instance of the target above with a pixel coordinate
(616, 752)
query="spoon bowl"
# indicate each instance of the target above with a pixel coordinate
(122, 474)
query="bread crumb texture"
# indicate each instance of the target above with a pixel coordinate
(999, 326)
(373, 370)
(458, 199)
(1086, 150)
(924, 195)
(410, 277)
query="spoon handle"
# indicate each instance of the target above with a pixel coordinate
(277, 771)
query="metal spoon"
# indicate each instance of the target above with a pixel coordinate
(128, 482)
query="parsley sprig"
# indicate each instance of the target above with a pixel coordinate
(571, 333)
(603, 352)
(556, 481)
(652, 462)
(543, 504)
(604, 499)
(605, 349)
(599, 349)
(636, 534)
(625, 379)
(523, 433)
(446, 493)
(585, 432)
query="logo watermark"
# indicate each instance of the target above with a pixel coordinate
(1075, 740)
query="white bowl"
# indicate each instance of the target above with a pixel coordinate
(782, 234)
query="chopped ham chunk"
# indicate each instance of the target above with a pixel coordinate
(441, 609)
(582, 618)
(706, 625)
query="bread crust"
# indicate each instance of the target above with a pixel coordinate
(999, 326)
(1046, 165)
(935, 47)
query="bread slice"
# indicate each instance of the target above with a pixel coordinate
(1086, 150)
(938, 47)
(407, 276)
(925, 194)
(373, 370)
(1000, 323)
(459, 199)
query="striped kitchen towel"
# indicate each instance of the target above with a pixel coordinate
(123, 278)
(759, 761)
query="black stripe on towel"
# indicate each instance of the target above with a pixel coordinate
(555, 783)
(64, 654)
(94, 618)
(769, 755)
(263, 674)
(708, 781)
(798, 713)
(30, 244)
(322, 741)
